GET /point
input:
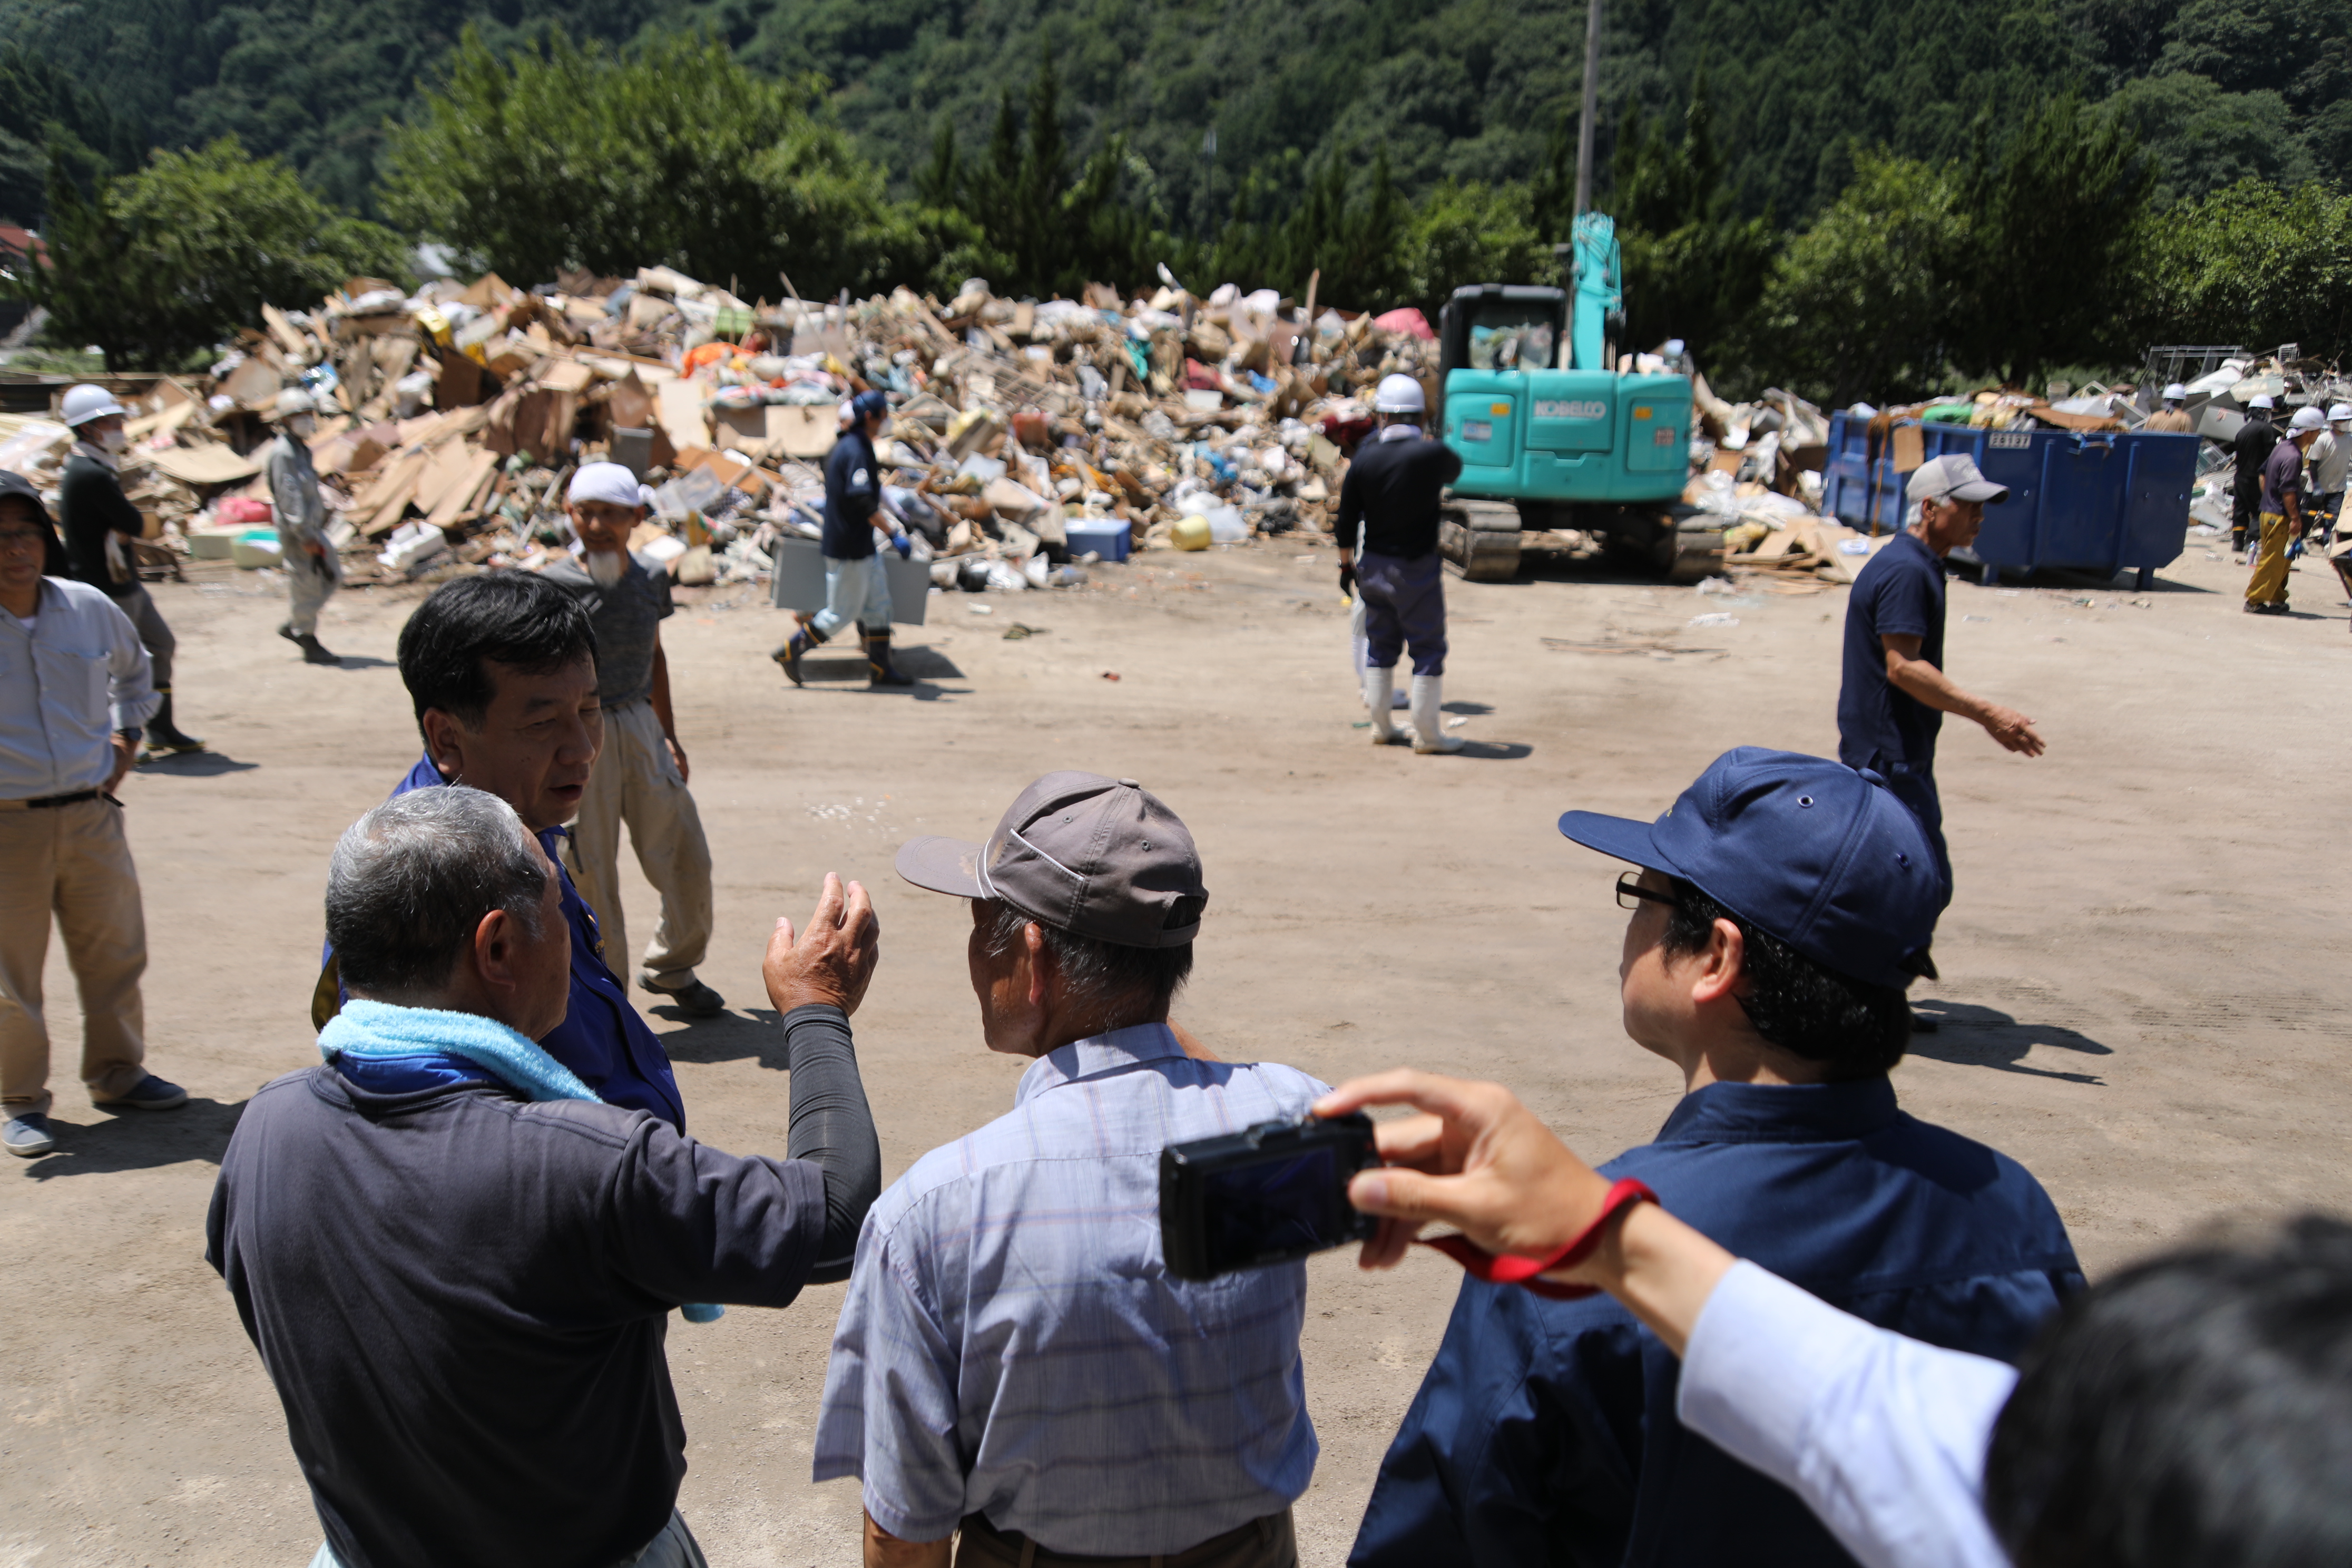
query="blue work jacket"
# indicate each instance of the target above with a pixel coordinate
(603, 1039)
(1545, 1431)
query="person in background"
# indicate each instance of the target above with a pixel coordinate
(2250, 448)
(1391, 495)
(314, 569)
(502, 670)
(2326, 465)
(1782, 906)
(73, 692)
(641, 771)
(1013, 1359)
(98, 519)
(856, 587)
(2173, 417)
(2281, 513)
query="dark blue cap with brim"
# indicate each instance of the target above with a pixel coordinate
(1818, 854)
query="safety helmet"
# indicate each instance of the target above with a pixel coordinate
(2175, 393)
(1398, 394)
(293, 401)
(2340, 413)
(2308, 418)
(2262, 400)
(85, 403)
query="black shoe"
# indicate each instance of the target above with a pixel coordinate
(313, 653)
(164, 736)
(694, 999)
(150, 1093)
(796, 647)
(286, 630)
(879, 671)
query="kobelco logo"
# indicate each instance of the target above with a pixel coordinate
(1555, 410)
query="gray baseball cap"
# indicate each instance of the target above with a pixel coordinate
(1953, 476)
(1095, 856)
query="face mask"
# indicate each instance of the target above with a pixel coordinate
(301, 425)
(114, 441)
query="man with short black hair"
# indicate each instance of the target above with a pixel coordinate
(1013, 1358)
(501, 669)
(458, 1264)
(1783, 904)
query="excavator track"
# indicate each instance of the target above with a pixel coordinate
(1481, 537)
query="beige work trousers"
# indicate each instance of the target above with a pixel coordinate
(2268, 585)
(635, 783)
(72, 861)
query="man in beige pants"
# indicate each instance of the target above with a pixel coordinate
(640, 775)
(74, 691)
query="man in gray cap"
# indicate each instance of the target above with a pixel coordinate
(1895, 694)
(1013, 1358)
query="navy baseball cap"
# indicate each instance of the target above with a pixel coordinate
(1818, 854)
(866, 404)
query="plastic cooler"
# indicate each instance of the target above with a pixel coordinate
(2092, 502)
(1108, 537)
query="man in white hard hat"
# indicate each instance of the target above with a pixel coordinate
(639, 775)
(2326, 465)
(2251, 449)
(2172, 419)
(97, 518)
(2281, 512)
(1391, 494)
(313, 569)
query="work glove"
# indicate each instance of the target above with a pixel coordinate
(903, 545)
(1347, 580)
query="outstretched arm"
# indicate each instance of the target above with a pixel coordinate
(1915, 677)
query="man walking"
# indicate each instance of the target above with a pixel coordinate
(98, 517)
(73, 692)
(2251, 449)
(457, 1266)
(314, 569)
(2282, 514)
(2173, 417)
(1895, 693)
(1391, 494)
(1780, 910)
(501, 669)
(2329, 460)
(855, 588)
(640, 774)
(1013, 1358)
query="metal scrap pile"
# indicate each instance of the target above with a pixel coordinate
(451, 419)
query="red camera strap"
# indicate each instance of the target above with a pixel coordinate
(1514, 1268)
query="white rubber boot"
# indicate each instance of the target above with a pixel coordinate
(1429, 734)
(1379, 688)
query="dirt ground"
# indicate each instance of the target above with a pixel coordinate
(2137, 999)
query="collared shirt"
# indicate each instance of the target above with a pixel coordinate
(1882, 1438)
(96, 517)
(300, 515)
(1013, 1344)
(1898, 592)
(627, 617)
(2282, 476)
(2330, 458)
(66, 687)
(603, 1039)
(1541, 1431)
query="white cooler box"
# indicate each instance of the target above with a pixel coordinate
(799, 580)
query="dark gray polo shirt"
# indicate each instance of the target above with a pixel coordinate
(627, 617)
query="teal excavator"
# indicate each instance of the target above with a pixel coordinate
(1553, 435)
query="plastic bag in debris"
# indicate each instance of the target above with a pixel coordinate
(413, 394)
(1007, 578)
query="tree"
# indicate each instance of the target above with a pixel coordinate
(1694, 269)
(161, 265)
(572, 156)
(2256, 265)
(1471, 234)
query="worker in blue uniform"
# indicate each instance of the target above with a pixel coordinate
(501, 669)
(1781, 906)
(1391, 495)
(856, 587)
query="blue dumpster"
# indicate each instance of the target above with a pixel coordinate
(2105, 502)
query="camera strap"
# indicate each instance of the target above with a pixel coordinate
(1515, 1268)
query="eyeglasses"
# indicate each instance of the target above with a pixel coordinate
(21, 538)
(1631, 895)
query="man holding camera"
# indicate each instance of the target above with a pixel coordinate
(1783, 904)
(1013, 1358)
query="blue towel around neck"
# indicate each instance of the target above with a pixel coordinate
(379, 1033)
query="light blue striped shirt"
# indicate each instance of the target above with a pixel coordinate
(1012, 1344)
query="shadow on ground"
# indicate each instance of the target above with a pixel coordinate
(1969, 1036)
(112, 1141)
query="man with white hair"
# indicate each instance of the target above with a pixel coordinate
(2172, 419)
(640, 775)
(312, 568)
(2281, 512)
(1391, 495)
(2250, 448)
(1895, 694)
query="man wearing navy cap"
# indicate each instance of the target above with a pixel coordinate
(1782, 906)
(855, 588)
(1895, 694)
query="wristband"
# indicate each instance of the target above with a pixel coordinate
(1516, 1269)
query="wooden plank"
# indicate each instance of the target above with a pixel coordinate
(460, 498)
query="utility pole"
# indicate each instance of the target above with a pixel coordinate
(1591, 108)
(1208, 200)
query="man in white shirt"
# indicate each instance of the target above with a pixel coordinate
(74, 690)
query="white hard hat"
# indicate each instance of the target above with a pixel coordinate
(1398, 394)
(2262, 400)
(2340, 413)
(2175, 393)
(85, 403)
(2308, 418)
(293, 401)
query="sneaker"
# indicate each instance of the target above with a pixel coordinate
(150, 1093)
(27, 1137)
(694, 999)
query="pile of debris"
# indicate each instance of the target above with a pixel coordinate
(1026, 436)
